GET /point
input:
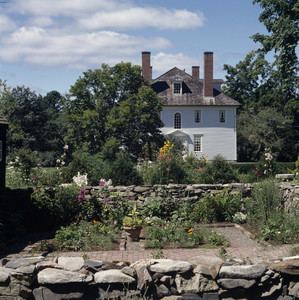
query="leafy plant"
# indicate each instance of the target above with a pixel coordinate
(133, 220)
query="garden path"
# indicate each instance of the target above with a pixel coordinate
(241, 247)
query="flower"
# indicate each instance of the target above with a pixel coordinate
(80, 180)
(167, 169)
(106, 201)
(39, 165)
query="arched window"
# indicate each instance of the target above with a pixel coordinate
(177, 121)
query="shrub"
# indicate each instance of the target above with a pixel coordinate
(266, 198)
(122, 171)
(169, 167)
(219, 171)
(85, 164)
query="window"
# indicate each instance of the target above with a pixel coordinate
(222, 116)
(197, 143)
(177, 121)
(177, 87)
(197, 116)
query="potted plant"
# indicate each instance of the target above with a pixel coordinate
(132, 224)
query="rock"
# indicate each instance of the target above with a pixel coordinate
(202, 269)
(129, 271)
(141, 189)
(197, 283)
(210, 296)
(23, 261)
(144, 279)
(172, 298)
(25, 275)
(291, 258)
(45, 293)
(112, 276)
(25, 292)
(235, 283)
(294, 290)
(71, 263)
(273, 289)
(4, 275)
(162, 291)
(55, 276)
(168, 266)
(168, 280)
(47, 264)
(290, 267)
(243, 272)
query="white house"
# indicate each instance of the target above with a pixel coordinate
(195, 110)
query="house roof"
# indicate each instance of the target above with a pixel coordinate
(192, 91)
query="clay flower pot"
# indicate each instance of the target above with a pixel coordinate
(133, 232)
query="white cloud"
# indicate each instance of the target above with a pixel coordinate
(137, 17)
(43, 47)
(6, 24)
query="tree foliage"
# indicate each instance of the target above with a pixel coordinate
(35, 122)
(268, 78)
(111, 108)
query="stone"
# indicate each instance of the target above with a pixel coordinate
(294, 290)
(197, 283)
(4, 275)
(144, 279)
(141, 189)
(290, 267)
(23, 261)
(56, 276)
(162, 291)
(243, 272)
(291, 258)
(168, 280)
(235, 283)
(45, 293)
(25, 275)
(173, 297)
(273, 289)
(129, 271)
(168, 266)
(210, 296)
(47, 264)
(71, 263)
(112, 276)
(202, 269)
(25, 292)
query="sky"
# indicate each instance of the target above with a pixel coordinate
(46, 45)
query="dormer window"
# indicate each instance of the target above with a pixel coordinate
(177, 85)
(177, 88)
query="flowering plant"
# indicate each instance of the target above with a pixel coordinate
(80, 180)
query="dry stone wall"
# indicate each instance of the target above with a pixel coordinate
(60, 278)
(192, 193)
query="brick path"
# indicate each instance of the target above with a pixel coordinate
(198, 255)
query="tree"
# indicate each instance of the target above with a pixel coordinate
(268, 77)
(35, 122)
(112, 108)
(257, 130)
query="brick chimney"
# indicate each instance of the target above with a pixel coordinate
(195, 72)
(146, 66)
(208, 74)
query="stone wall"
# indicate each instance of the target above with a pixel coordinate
(73, 278)
(193, 193)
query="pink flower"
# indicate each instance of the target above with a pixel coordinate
(167, 169)
(105, 200)
(81, 197)
(39, 165)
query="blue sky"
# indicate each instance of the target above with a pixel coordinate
(47, 44)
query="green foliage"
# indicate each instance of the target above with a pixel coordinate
(112, 104)
(133, 219)
(266, 84)
(122, 171)
(172, 235)
(266, 198)
(61, 206)
(86, 236)
(218, 171)
(85, 164)
(218, 208)
(23, 163)
(169, 167)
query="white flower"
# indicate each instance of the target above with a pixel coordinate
(80, 180)
(66, 147)
(58, 161)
